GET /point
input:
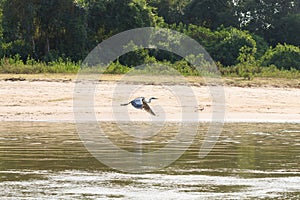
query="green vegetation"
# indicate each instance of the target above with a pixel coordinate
(283, 56)
(246, 38)
(15, 65)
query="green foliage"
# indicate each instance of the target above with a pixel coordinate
(233, 43)
(1, 27)
(261, 46)
(15, 47)
(211, 14)
(246, 71)
(282, 56)
(274, 20)
(172, 11)
(206, 37)
(54, 36)
(15, 65)
(116, 68)
(44, 28)
(229, 46)
(286, 30)
(272, 71)
(136, 56)
(106, 18)
(185, 68)
(62, 66)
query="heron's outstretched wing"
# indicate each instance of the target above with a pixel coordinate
(147, 108)
(124, 104)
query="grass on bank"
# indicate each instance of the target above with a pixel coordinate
(15, 65)
(239, 75)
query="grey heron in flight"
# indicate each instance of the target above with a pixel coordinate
(141, 103)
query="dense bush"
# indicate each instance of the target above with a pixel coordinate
(226, 44)
(230, 44)
(116, 68)
(261, 46)
(283, 57)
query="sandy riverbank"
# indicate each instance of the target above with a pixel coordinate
(40, 100)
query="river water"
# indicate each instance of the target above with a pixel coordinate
(42, 160)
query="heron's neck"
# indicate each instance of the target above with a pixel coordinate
(149, 101)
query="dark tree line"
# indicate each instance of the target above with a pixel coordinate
(46, 30)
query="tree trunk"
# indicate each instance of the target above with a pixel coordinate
(47, 46)
(33, 48)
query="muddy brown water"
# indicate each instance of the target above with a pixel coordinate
(43, 160)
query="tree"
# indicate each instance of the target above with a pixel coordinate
(282, 56)
(44, 29)
(264, 17)
(18, 28)
(62, 29)
(107, 18)
(1, 30)
(211, 13)
(231, 44)
(172, 11)
(286, 30)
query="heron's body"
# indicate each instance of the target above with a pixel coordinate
(137, 103)
(141, 103)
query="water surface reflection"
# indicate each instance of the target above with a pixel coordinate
(48, 160)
